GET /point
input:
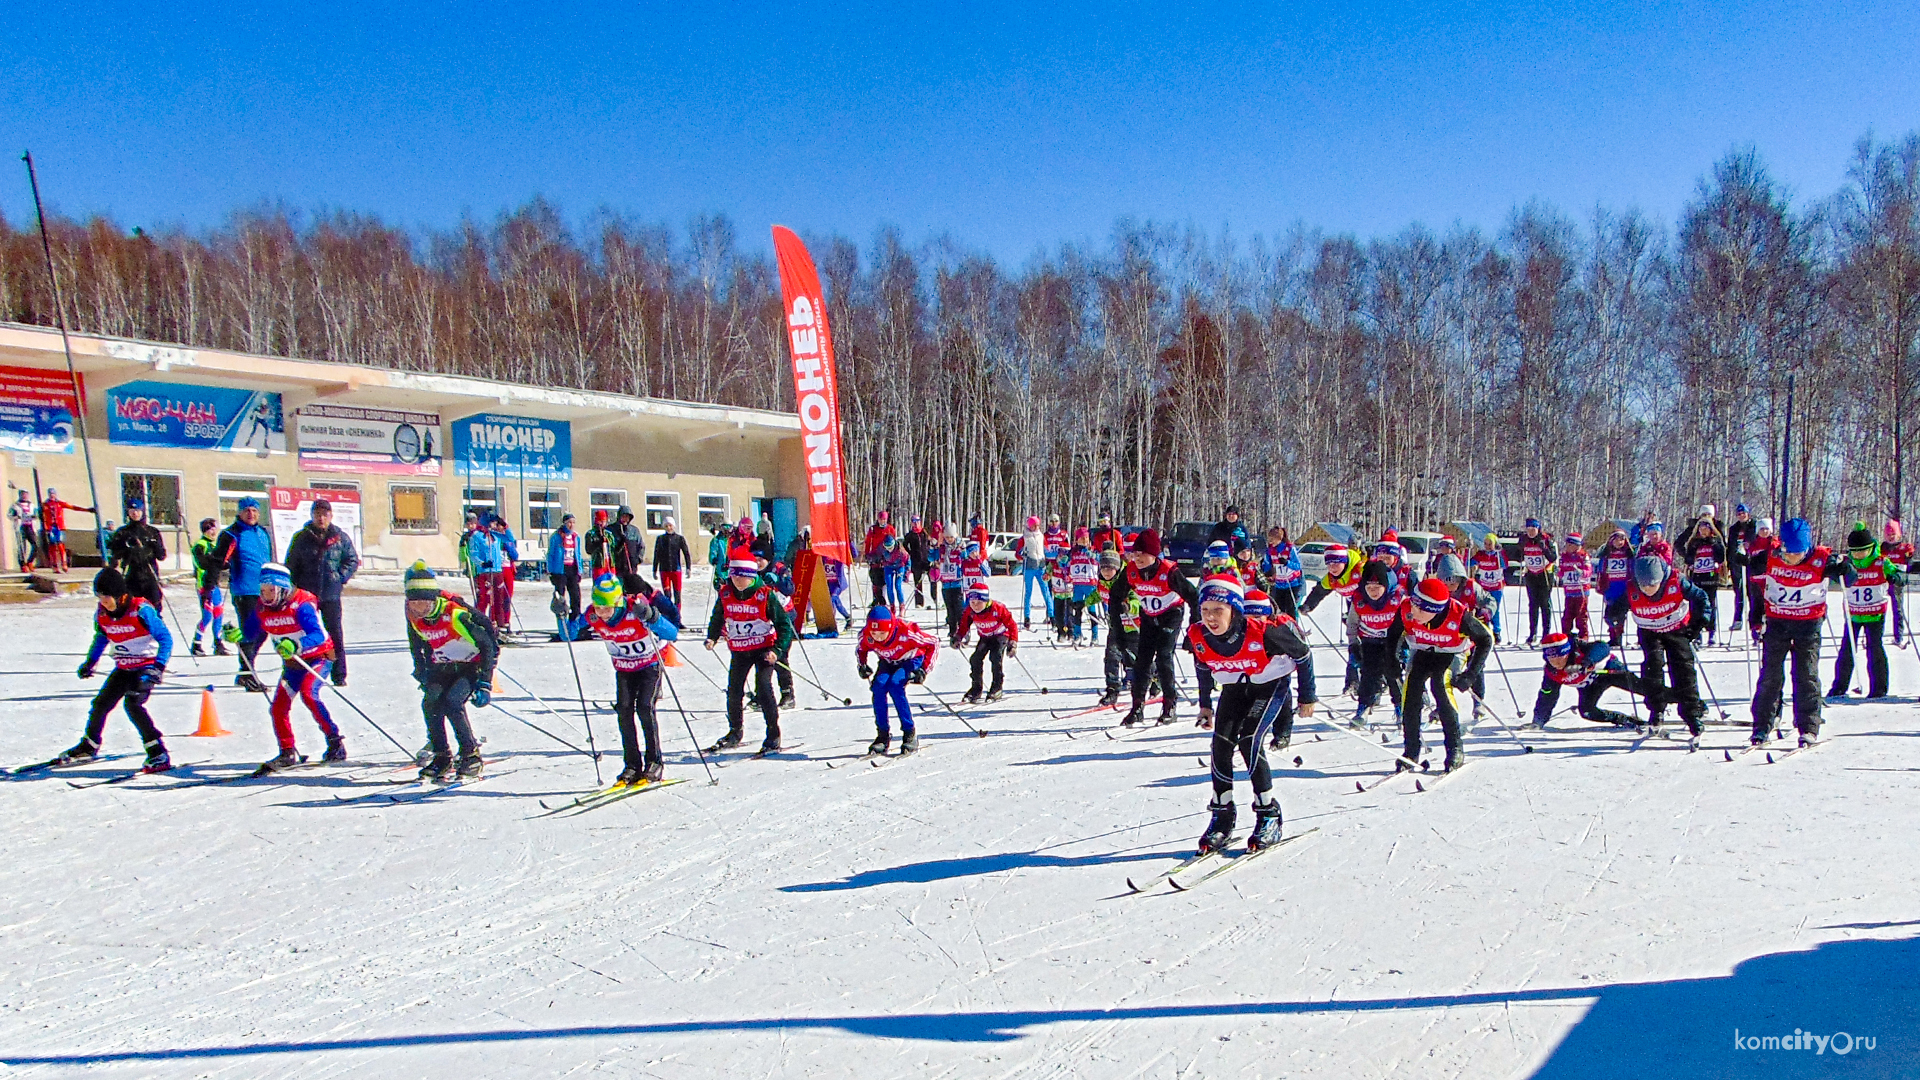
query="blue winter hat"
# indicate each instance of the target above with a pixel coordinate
(1222, 589)
(248, 502)
(136, 503)
(1533, 523)
(1796, 536)
(1740, 508)
(276, 574)
(1219, 550)
(879, 613)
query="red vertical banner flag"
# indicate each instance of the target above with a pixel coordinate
(817, 394)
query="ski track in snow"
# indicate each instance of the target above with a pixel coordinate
(961, 913)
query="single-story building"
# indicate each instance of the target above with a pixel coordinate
(193, 431)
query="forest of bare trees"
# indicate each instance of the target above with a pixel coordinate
(1570, 368)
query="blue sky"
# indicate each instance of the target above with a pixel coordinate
(1012, 127)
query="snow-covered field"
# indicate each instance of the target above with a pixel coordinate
(1581, 910)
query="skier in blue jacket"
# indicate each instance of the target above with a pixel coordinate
(243, 548)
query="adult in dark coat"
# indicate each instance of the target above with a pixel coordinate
(136, 549)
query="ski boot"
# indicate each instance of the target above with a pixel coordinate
(1456, 758)
(1735, 628)
(1134, 718)
(336, 750)
(1266, 824)
(654, 772)
(286, 759)
(423, 755)
(771, 744)
(436, 767)
(1166, 713)
(909, 740)
(157, 759)
(1205, 719)
(1280, 742)
(197, 649)
(220, 648)
(470, 767)
(1809, 738)
(995, 695)
(787, 701)
(82, 752)
(1111, 696)
(731, 740)
(880, 743)
(1219, 830)
(247, 682)
(971, 697)
(628, 777)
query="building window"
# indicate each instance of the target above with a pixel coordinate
(235, 488)
(608, 499)
(716, 511)
(414, 508)
(160, 492)
(662, 505)
(478, 501)
(544, 511)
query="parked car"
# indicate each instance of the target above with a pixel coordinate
(1186, 545)
(1000, 556)
(1313, 558)
(1416, 545)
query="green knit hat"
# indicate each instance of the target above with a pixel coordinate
(606, 591)
(420, 582)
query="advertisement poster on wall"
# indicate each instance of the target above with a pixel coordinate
(395, 442)
(37, 410)
(496, 446)
(187, 417)
(291, 508)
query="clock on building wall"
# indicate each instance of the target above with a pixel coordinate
(406, 443)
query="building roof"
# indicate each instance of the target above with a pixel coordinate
(107, 361)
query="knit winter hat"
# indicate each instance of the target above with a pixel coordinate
(1796, 536)
(1650, 570)
(1741, 508)
(1258, 603)
(1533, 523)
(1377, 574)
(1556, 644)
(109, 582)
(742, 565)
(276, 574)
(1147, 543)
(1335, 555)
(1391, 536)
(978, 591)
(1081, 535)
(1891, 532)
(1218, 551)
(1766, 525)
(879, 615)
(1109, 560)
(1859, 539)
(1033, 522)
(1224, 589)
(1432, 596)
(420, 582)
(606, 591)
(1571, 538)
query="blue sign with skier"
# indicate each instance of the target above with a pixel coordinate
(504, 447)
(184, 416)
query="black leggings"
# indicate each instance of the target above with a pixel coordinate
(1247, 714)
(443, 701)
(125, 689)
(634, 694)
(1378, 667)
(1155, 657)
(758, 663)
(1669, 675)
(991, 647)
(568, 584)
(1428, 671)
(1539, 604)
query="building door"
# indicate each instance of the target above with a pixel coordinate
(786, 521)
(161, 494)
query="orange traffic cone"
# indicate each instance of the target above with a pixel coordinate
(209, 717)
(671, 658)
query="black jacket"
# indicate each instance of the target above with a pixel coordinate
(136, 548)
(919, 545)
(322, 563)
(670, 553)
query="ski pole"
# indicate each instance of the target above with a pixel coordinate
(1329, 723)
(178, 626)
(1501, 720)
(711, 779)
(1497, 662)
(529, 692)
(1708, 683)
(581, 689)
(342, 695)
(949, 708)
(702, 672)
(808, 657)
(830, 694)
(1029, 674)
(541, 730)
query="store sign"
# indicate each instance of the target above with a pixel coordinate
(339, 438)
(37, 410)
(290, 509)
(501, 447)
(189, 417)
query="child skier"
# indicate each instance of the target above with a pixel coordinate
(206, 581)
(634, 635)
(141, 645)
(1165, 598)
(1576, 577)
(1537, 556)
(998, 639)
(290, 619)
(1670, 612)
(1759, 550)
(1490, 574)
(748, 613)
(454, 651)
(1871, 579)
(1589, 667)
(906, 654)
(1613, 576)
(1060, 596)
(1083, 569)
(1285, 578)
(1438, 628)
(1377, 607)
(1123, 628)
(1796, 606)
(1705, 557)
(1252, 657)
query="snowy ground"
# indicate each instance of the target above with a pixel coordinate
(1578, 911)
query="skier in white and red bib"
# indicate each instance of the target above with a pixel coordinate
(999, 638)
(1438, 628)
(1166, 596)
(1251, 657)
(1796, 606)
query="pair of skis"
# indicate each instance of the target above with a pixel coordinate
(1180, 878)
(607, 796)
